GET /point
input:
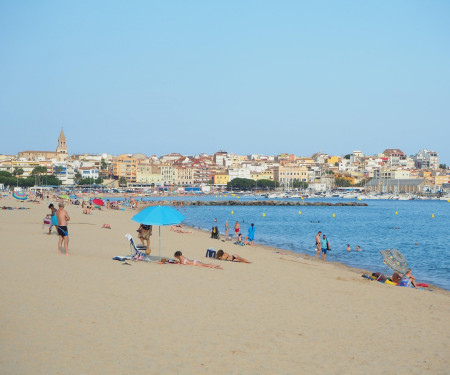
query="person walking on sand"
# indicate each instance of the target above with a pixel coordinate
(63, 232)
(251, 235)
(318, 247)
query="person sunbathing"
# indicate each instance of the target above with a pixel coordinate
(177, 229)
(408, 280)
(232, 258)
(396, 277)
(188, 262)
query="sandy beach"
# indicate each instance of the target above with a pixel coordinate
(282, 314)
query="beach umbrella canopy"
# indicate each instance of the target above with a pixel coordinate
(64, 196)
(20, 195)
(394, 259)
(158, 215)
(98, 202)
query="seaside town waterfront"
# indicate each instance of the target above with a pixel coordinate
(88, 313)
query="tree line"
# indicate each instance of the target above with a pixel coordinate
(39, 177)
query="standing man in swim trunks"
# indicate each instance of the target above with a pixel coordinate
(318, 247)
(63, 232)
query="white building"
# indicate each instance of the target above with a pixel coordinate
(65, 172)
(426, 159)
(239, 173)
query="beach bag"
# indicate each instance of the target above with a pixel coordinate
(328, 245)
(210, 253)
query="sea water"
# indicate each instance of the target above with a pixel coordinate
(419, 229)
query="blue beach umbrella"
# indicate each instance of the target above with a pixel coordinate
(158, 215)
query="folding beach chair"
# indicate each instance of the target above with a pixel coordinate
(136, 251)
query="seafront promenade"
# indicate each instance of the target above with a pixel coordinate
(86, 313)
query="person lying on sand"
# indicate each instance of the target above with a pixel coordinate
(176, 229)
(232, 258)
(188, 262)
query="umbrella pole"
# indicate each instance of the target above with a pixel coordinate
(160, 242)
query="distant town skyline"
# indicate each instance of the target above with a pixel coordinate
(246, 77)
(62, 138)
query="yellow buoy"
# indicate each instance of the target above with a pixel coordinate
(233, 195)
(432, 215)
(232, 212)
(264, 215)
(299, 212)
(237, 197)
(334, 215)
(302, 197)
(359, 199)
(448, 200)
(396, 212)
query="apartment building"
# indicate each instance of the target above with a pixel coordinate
(426, 159)
(147, 173)
(287, 174)
(184, 175)
(221, 179)
(125, 165)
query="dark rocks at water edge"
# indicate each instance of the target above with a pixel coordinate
(268, 203)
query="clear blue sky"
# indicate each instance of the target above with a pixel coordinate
(243, 76)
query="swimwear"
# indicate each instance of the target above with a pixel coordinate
(62, 230)
(54, 220)
(236, 230)
(405, 281)
(324, 251)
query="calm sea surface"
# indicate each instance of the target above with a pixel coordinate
(422, 238)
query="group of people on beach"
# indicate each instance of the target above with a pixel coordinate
(60, 218)
(249, 239)
(322, 245)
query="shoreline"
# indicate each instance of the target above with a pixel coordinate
(338, 265)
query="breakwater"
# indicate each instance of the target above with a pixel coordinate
(267, 203)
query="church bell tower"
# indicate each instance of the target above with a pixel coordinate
(61, 150)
